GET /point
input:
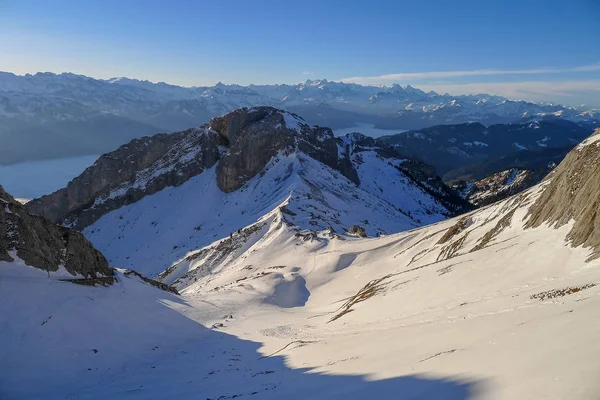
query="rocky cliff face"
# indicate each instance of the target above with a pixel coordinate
(44, 245)
(139, 168)
(573, 194)
(240, 144)
(258, 134)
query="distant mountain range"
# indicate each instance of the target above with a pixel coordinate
(461, 151)
(48, 115)
(531, 160)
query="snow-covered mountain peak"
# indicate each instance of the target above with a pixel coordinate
(294, 192)
(410, 89)
(255, 160)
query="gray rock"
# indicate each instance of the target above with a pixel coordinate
(140, 168)
(242, 141)
(357, 230)
(503, 184)
(41, 244)
(258, 134)
(573, 194)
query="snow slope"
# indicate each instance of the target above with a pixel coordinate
(160, 229)
(132, 341)
(475, 307)
(478, 298)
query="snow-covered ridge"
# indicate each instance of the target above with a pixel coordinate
(241, 145)
(160, 229)
(502, 184)
(594, 139)
(186, 151)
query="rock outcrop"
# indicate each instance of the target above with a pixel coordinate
(573, 194)
(44, 245)
(258, 134)
(357, 230)
(501, 185)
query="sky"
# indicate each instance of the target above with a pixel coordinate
(528, 49)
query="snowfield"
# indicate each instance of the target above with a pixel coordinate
(157, 231)
(475, 307)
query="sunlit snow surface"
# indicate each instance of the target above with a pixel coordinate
(405, 316)
(153, 233)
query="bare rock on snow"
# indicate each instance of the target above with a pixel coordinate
(358, 231)
(574, 194)
(140, 168)
(41, 244)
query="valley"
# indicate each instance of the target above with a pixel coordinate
(325, 267)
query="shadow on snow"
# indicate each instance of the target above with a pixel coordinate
(146, 349)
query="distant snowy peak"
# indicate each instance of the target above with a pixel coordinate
(102, 114)
(347, 96)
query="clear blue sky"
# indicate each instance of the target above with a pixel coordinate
(542, 50)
